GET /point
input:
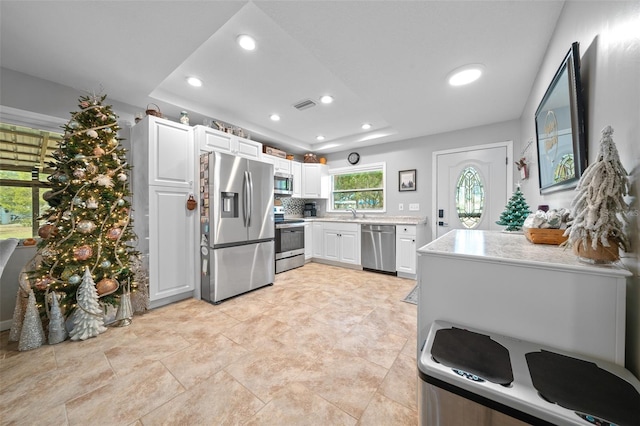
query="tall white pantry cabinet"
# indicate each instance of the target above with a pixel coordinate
(163, 173)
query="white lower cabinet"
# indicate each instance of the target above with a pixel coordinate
(406, 250)
(342, 242)
(308, 241)
(171, 241)
(317, 240)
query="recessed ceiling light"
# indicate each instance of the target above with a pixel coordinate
(194, 81)
(366, 126)
(274, 117)
(246, 42)
(465, 75)
(319, 138)
(326, 99)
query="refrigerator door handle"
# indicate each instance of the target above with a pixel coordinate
(250, 199)
(245, 196)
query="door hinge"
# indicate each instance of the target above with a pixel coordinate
(506, 161)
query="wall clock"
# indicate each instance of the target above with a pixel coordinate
(353, 158)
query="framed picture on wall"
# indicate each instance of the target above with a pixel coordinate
(407, 180)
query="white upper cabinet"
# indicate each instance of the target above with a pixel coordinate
(315, 180)
(296, 171)
(165, 151)
(209, 139)
(280, 165)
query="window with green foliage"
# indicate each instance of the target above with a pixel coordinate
(358, 187)
(21, 203)
(24, 153)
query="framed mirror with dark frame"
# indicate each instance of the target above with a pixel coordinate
(560, 128)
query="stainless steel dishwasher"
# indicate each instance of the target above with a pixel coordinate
(378, 248)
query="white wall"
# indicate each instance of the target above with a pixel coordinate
(22, 91)
(416, 154)
(609, 37)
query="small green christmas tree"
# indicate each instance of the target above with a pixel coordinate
(515, 212)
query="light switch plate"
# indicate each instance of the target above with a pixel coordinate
(400, 206)
(414, 207)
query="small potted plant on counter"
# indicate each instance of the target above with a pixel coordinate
(599, 210)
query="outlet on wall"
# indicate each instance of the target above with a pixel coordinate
(401, 206)
(414, 207)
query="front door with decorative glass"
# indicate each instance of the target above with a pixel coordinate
(471, 187)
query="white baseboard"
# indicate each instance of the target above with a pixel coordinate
(6, 325)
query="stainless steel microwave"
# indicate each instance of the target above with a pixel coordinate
(283, 183)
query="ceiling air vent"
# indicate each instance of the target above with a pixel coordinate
(302, 105)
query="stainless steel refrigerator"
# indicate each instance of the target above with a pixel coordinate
(236, 222)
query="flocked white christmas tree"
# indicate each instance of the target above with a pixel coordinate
(88, 318)
(599, 207)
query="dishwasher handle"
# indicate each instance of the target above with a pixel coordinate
(385, 229)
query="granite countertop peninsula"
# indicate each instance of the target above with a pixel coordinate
(512, 248)
(371, 219)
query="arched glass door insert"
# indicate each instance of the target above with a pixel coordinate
(469, 197)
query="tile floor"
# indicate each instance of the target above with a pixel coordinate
(322, 346)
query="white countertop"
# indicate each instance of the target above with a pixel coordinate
(383, 220)
(514, 248)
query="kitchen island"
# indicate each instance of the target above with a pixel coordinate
(502, 283)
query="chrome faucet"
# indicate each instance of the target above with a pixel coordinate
(353, 211)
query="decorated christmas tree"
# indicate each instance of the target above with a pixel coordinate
(88, 223)
(515, 212)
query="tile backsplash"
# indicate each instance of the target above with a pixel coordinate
(295, 206)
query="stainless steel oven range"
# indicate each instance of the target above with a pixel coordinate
(289, 241)
(289, 246)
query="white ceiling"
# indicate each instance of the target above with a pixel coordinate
(385, 62)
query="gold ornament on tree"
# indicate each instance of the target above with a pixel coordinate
(46, 231)
(83, 252)
(106, 286)
(114, 233)
(92, 169)
(92, 203)
(86, 226)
